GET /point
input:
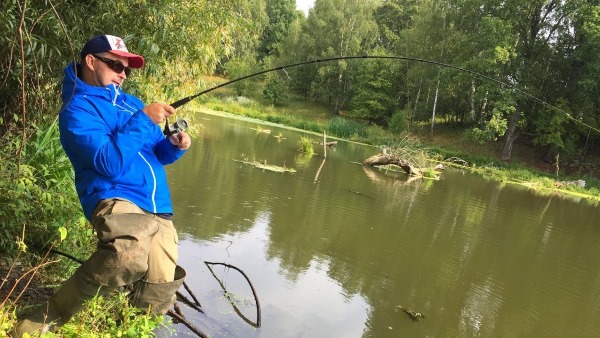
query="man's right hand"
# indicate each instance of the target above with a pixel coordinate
(158, 112)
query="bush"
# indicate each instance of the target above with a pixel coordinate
(37, 198)
(377, 135)
(7, 320)
(399, 121)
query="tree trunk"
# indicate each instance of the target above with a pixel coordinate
(383, 159)
(416, 103)
(511, 135)
(437, 90)
(472, 112)
(428, 94)
(483, 113)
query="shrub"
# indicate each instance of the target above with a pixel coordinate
(37, 198)
(399, 121)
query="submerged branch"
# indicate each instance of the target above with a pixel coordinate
(208, 264)
(270, 167)
(184, 321)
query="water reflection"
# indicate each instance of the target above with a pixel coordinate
(336, 256)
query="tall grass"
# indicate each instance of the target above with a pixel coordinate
(306, 146)
(348, 129)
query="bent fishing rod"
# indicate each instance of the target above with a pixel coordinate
(185, 100)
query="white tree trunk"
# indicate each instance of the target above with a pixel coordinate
(416, 103)
(437, 91)
(472, 112)
(483, 108)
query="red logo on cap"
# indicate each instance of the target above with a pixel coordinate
(118, 43)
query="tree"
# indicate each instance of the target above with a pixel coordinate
(275, 89)
(538, 25)
(336, 28)
(392, 17)
(281, 14)
(375, 91)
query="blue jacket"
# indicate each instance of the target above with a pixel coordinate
(115, 149)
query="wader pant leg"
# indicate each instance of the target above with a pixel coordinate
(125, 234)
(155, 292)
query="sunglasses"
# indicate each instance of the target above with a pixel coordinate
(115, 65)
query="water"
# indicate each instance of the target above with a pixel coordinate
(335, 252)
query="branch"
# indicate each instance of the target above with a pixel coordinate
(251, 287)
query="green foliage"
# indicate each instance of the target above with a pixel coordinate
(399, 121)
(494, 128)
(335, 27)
(8, 319)
(429, 173)
(275, 89)
(374, 91)
(111, 316)
(305, 145)
(240, 67)
(348, 129)
(552, 130)
(377, 135)
(281, 14)
(103, 316)
(37, 198)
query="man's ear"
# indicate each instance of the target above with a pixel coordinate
(89, 61)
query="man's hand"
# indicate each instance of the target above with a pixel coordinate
(182, 140)
(158, 112)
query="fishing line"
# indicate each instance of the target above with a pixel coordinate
(185, 100)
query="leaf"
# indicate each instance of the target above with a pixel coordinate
(63, 233)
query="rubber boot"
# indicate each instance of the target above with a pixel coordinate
(157, 298)
(65, 303)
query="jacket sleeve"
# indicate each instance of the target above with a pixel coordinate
(88, 138)
(165, 151)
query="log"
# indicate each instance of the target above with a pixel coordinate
(329, 144)
(383, 159)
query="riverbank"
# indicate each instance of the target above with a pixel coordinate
(527, 167)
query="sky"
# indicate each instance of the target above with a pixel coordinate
(304, 5)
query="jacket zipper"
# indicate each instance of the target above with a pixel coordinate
(154, 179)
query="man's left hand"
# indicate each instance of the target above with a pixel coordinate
(182, 140)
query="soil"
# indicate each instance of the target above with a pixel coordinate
(33, 291)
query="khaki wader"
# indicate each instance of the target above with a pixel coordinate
(134, 247)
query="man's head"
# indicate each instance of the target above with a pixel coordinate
(106, 60)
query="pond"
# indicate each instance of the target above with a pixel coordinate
(337, 250)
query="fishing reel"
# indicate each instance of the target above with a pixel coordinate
(179, 126)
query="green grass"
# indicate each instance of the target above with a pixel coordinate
(306, 146)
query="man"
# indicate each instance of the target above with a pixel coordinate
(118, 152)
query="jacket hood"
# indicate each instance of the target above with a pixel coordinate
(72, 84)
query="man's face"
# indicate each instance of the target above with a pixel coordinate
(102, 74)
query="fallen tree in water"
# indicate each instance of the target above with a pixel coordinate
(386, 159)
(263, 165)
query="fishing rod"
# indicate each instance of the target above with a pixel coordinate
(185, 100)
